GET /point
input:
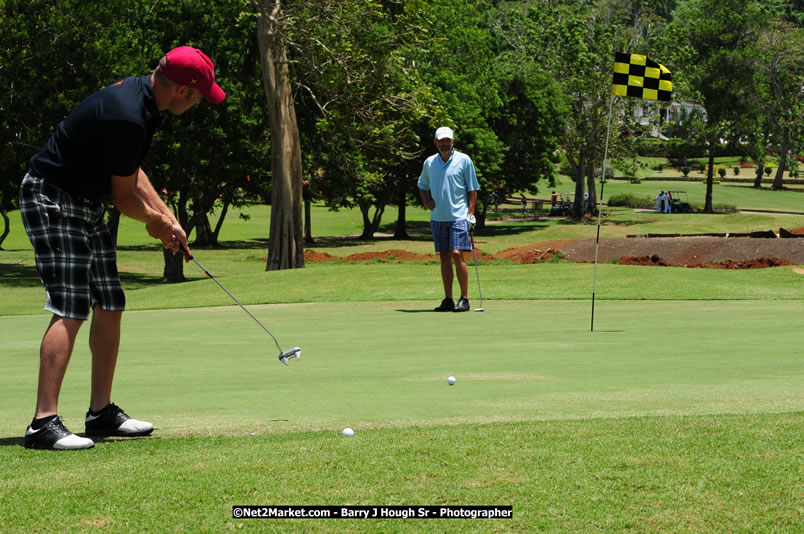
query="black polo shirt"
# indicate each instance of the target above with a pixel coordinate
(107, 134)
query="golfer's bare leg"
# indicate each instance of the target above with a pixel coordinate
(104, 342)
(446, 272)
(462, 271)
(54, 355)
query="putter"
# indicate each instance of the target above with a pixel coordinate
(477, 273)
(284, 355)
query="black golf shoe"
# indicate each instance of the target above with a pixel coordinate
(113, 421)
(54, 436)
(446, 305)
(462, 306)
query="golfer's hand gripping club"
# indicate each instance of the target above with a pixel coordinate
(284, 355)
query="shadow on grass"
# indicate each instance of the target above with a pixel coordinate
(19, 441)
(139, 280)
(507, 229)
(11, 442)
(18, 275)
(223, 245)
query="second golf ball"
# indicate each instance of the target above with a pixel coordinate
(348, 432)
(451, 380)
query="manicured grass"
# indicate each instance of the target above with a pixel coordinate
(681, 412)
(741, 195)
(656, 474)
(653, 422)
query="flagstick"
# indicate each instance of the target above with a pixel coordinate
(600, 212)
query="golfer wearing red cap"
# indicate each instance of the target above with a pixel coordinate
(94, 156)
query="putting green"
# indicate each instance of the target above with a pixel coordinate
(213, 370)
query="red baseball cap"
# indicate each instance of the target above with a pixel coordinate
(189, 66)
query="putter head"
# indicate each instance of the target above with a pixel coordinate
(284, 356)
(480, 309)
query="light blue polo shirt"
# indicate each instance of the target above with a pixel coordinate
(449, 184)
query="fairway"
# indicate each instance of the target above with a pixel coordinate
(536, 393)
(369, 365)
(681, 412)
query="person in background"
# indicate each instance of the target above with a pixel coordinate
(448, 188)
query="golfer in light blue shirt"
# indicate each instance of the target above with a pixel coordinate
(448, 188)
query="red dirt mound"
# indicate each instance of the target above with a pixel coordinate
(712, 252)
(642, 260)
(536, 253)
(760, 263)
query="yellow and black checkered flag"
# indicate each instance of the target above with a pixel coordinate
(636, 75)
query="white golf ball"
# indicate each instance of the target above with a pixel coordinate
(451, 380)
(348, 432)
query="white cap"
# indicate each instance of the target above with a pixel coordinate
(443, 133)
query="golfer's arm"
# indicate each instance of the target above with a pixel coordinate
(472, 197)
(146, 191)
(126, 196)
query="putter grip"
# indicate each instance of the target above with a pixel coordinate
(187, 255)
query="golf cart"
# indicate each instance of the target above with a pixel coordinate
(563, 206)
(680, 202)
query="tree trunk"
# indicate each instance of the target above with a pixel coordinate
(400, 232)
(308, 221)
(760, 172)
(203, 233)
(174, 267)
(286, 246)
(6, 227)
(217, 231)
(709, 181)
(778, 182)
(591, 203)
(173, 271)
(580, 177)
(370, 224)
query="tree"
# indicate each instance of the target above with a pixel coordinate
(61, 52)
(458, 64)
(52, 55)
(579, 53)
(531, 118)
(360, 100)
(714, 44)
(286, 249)
(782, 63)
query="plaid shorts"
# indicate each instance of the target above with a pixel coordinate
(75, 254)
(451, 235)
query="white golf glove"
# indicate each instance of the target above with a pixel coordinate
(472, 222)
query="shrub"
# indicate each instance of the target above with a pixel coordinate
(724, 208)
(609, 172)
(722, 172)
(736, 170)
(768, 170)
(628, 200)
(685, 171)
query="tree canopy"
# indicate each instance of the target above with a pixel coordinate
(519, 81)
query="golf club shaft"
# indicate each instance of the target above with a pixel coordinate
(477, 273)
(190, 257)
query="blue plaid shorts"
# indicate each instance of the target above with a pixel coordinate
(451, 235)
(75, 255)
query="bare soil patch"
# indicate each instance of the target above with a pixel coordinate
(705, 251)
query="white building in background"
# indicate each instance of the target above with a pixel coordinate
(651, 115)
